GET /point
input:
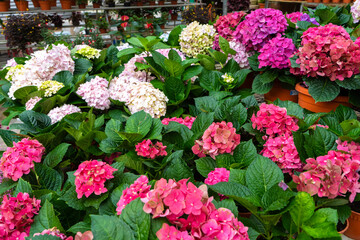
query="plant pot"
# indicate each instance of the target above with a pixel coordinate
(152, 3)
(96, 5)
(278, 92)
(44, 5)
(102, 30)
(261, 5)
(82, 5)
(53, 3)
(317, 1)
(346, 1)
(247, 84)
(173, 2)
(174, 16)
(346, 227)
(161, 2)
(353, 230)
(308, 102)
(66, 4)
(8, 3)
(73, 2)
(310, 1)
(162, 26)
(4, 7)
(326, 1)
(22, 5)
(139, 3)
(335, 1)
(36, 3)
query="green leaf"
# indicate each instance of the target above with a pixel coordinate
(192, 71)
(343, 212)
(138, 220)
(292, 108)
(322, 224)
(224, 160)
(64, 77)
(35, 119)
(46, 219)
(131, 160)
(23, 186)
(24, 92)
(206, 104)
(262, 174)
(210, 80)
(303, 24)
(139, 122)
(174, 68)
(70, 197)
(80, 227)
(174, 89)
(110, 228)
(238, 176)
(9, 137)
(205, 165)
(237, 115)
(322, 90)
(245, 153)
(227, 203)
(333, 123)
(350, 83)
(177, 168)
(155, 132)
(218, 56)
(323, 141)
(174, 35)
(344, 113)
(276, 198)
(156, 225)
(303, 207)
(267, 76)
(48, 177)
(54, 157)
(225, 46)
(6, 185)
(201, 123)
(259, 87)
(112, 128)
(82, 66)
(173, 55)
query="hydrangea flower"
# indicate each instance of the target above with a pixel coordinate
(357, 41)
(30, 104)
(16, 216)
(50, 87)
(188, 121)
(138, 189)
(305, 17)
(166, 51)
(324, 32)
(197, 39)
(274, 121)
(13, 71)
(170, 232)
(19, 159)
(90, 177)
(87, 51)
(217, 175)
(276, 53)
(351, 147)
(130, 69)
(355, 11)
(219, 138)
(10, 63)
(294, 16)
(54, 232)
(95, 93)
(282, 151)
(227, 78)
(124, 46)
(241, 56)
(88, 235)
(150, 150)
(259, 27)
(58, 113)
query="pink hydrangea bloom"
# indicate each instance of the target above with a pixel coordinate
(217, 175)
(351, 147)
(259, 27)
(150, 150)
(58, 113)
(19, 159)
(88, 235)
(330, 176)
(282, 151)
(166, 51)
(30, 104)
(219, 138)
(54, 232)
(16, 216)
(328, 51)
(188, 121)
(294, 16)
(10, 63)
(314, 126)
(274, 120)
(90, 177)
(276, 53)
(131, 71)
(110, 159)
(138, 189)
(167, 232)
(357, 41)
(241, 56)
(95, 93)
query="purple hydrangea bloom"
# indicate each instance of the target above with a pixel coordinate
(307, 18)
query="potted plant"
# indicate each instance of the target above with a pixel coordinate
(102, 23)
(161, 18)
(66, 4)
(22, 5)
(161, 2)
(36, 3)
(75, 18)
(56, 20)
(96, 3)
(261, 3)
(4, 6)
(173, 13)
(45, 4)
(81, 3)
(110, 3)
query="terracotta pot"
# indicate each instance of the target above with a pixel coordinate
(317, 1)
(173, 1)
(96, 5)
(53, 3)
(22, 5)
(174, 16)
(346, 227)
(161, 3)
(82, 5)
(35, 3)
(310, 1)
(278, 92)
(8, 3)
(152, 3)
(45, 5)
(335, 1)
(346, 1)
(353, 230)
(66, 4)
(306, 101)
(326, 1)
(261, 5)
(73, 2)
(4, 7)
(103, 30)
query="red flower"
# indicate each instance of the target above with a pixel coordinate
(124, 18)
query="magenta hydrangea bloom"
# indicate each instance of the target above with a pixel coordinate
(294, 16)
(219, 138)
(95, 93)
(90, 177)
(274, 121)
(19, 159)
(217, 175)
(150, 150)
(259, 27)
(276, 53)
(282, 151)
(188, 121)
(351, 147)
(357, 41)
(328, 31)
(54, 232)
(170, 232)
(138, 189)
(16, 216)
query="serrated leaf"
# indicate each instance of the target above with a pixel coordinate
(48, 177)
(350, 83)
(174, 89)
(6, 185)
(276, 198)
(322, 90)
(322, 224)
(303, 207)
(155, 132)
(131, 160)
(259, 87)
(344, 113)
(177, 168)
(227, 203)
(82, 66)
(80, 227)
(201, 123)
(24, 92)
(238, 176)
(292, 108)
(54, 157)
(23, 186)
(110, 228)
(206, 104)
(139, 122)
(205, 165)
(245, 153)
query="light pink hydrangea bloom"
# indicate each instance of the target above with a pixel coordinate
(188, 121)
(16, 216)
(166, 51)
(95, 93)
(90, 177)
(150, 150)
(217, 175)
(130, 69)
(355, 11)
(19, 159)
(138, 189)
(58, 113)
(241, 56)
(10, 63)
(54, 232)
(219, 138)
(30, 104)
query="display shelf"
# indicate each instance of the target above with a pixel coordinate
(287, 1)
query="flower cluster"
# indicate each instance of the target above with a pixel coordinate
(219, 138)
(188, 121)
(58, 113)
(197, 39)
(294, 16)
(353, 148)
(241, 56)
(218, 175)
(124, 46)
(259, 27)
(90, 177)
(227, 78)
(305, 17)
(13, 71)
(30, 104)
(16, 216)
(355, 11)
(50, 87)
(274, 121)
(20, 158)
(130, 69)
(166, 51)
(150, 150)
(87, 51)
(282, 151)
(328, 51)
(54, 232)
(276, 53)
(95, 93)
(138, 189)
(331, 175)
(10, 63)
